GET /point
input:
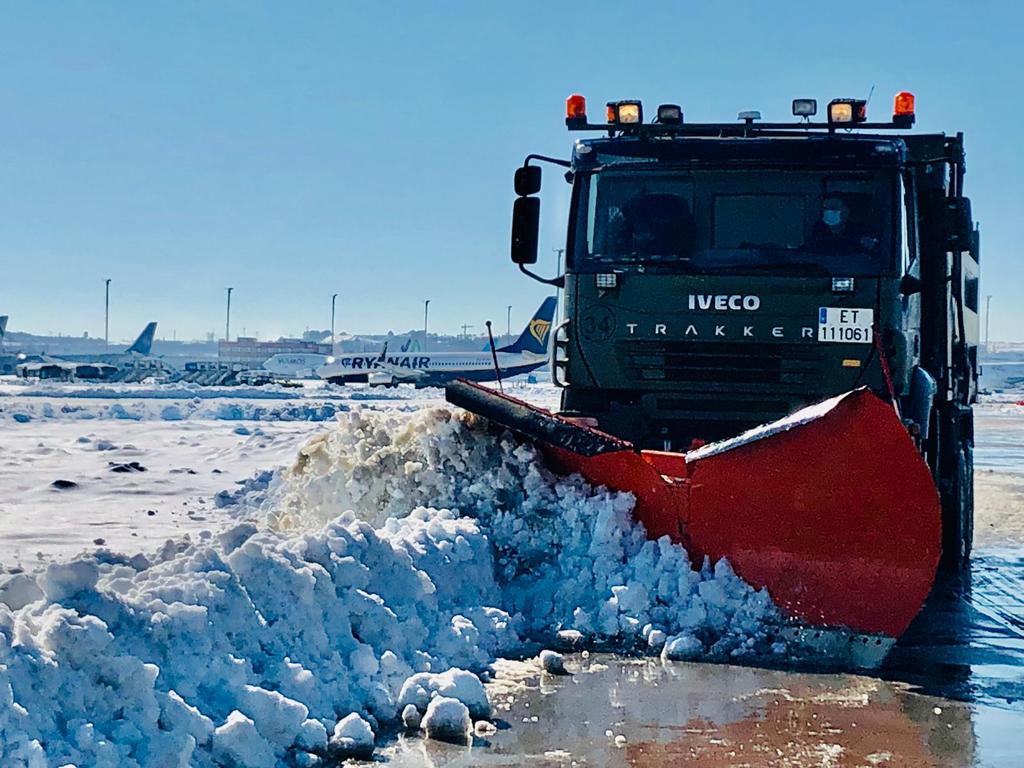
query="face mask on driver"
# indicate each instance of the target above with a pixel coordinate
(831, 217)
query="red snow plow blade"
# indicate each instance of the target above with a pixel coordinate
(831, 508)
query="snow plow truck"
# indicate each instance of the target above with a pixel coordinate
(770, 337)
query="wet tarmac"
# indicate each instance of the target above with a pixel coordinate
(616, 711)
(950, 694)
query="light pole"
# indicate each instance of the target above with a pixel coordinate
(988, 313)
(426, 312)
(508, 321)
(334, 298)
(227, 323)
(106, 316)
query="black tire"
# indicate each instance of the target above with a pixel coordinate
(967, 485)
(958, 509)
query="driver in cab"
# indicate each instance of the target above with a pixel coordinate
(836, 231)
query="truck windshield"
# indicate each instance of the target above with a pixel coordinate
(708, 221)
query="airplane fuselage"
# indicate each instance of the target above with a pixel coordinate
(426, 368)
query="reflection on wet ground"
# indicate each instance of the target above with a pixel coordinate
(968, 642)
(645, 712)
(952, 694)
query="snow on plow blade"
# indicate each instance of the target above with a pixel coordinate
(831, 508)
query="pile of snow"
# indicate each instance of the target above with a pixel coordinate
(566, 556)
(409, 553)
(159, 409)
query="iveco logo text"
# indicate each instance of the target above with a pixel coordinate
(724, 303)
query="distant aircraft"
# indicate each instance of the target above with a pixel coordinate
(295, 365)
(426, 369)
(303, 365)
(95, 366)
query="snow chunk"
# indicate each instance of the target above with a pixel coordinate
(353, 737)
(552, 662)
(237, 744)
(411, 717)
(682, 648)
(277, 717)
(18, 590)
(457, 684)
(62, 580)
(312, 736)
(448, 720)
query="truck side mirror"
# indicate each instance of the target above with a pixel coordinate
(525, 229)
(527, 180)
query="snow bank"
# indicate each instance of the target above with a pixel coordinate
(159, 409)
(250, 647)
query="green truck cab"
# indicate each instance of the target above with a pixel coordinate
(719, 276)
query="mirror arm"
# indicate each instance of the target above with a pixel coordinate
(558, 282)
(546, 159)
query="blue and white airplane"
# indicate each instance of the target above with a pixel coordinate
(433, 369)
(94, 366)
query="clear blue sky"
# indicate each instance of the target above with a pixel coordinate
(294, 150)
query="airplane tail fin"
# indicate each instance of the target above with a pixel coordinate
(3, 326)
(144, 344)
(534, 337)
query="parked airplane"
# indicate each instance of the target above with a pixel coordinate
(295, 365)
(426, 369)
(303, 365)
(103, 366)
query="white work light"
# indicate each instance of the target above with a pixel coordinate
(606, 280)
(670, 114)
(805, 107)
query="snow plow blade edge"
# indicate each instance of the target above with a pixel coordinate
(831, 508)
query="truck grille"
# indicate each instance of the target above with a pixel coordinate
(719, 363)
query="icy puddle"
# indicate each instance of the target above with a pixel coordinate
(615, 711)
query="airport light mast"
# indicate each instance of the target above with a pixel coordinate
(227, 323)
(426, 309)
(334, 298)
(508, 322)
(106, 316)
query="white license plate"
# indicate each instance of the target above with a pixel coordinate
(846, 325)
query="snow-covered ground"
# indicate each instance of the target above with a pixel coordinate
(390, 554)
(222, 615)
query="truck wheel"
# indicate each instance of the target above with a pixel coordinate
(958, 512)
(966, 467)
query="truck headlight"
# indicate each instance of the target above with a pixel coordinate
(606, 280)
